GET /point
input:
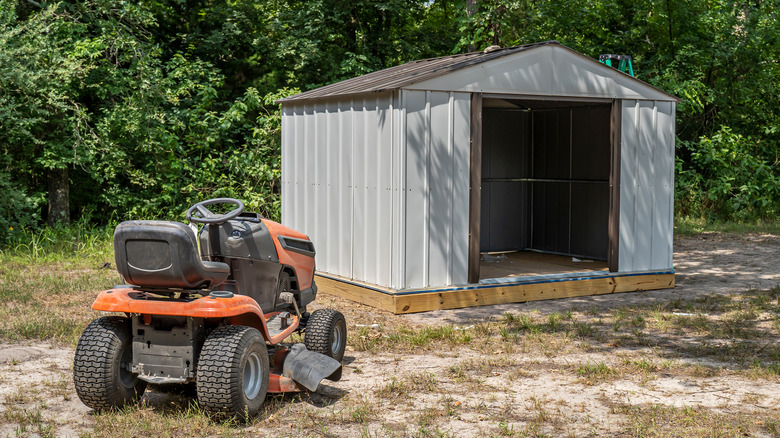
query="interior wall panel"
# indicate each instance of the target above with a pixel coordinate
(590, 151)
(589, 216)
(505, 157)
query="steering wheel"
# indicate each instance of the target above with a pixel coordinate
(205, 216)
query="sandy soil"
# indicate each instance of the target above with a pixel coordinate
(491, 400)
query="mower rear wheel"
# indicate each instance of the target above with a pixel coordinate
(233, 371)
(101, 365)
(326, 333)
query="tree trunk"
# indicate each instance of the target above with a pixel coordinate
(59, 197)
(471, 9)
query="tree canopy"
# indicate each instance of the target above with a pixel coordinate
(138, 109)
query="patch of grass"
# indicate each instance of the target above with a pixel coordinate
(687, 226)
(28, 422)
(427, 335)
(140, 421)
(584, 330)
(554, 321)
(402, 339)
(423, 382)
(660, 420)
(644, 365)
(506, 429)
(44, 327)
(595, 371)
(520, 322)
(428, 416)
(761, 370)
(48, 281)
(52, 244)
(450, 405)
(363, 414)
(488, 365)
(395, 388)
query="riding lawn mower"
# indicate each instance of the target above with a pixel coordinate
(216, 316)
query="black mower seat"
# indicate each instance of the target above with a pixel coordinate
(163, 254)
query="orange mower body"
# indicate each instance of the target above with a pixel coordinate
(212, 307)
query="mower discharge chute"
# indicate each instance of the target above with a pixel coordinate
(216, 317)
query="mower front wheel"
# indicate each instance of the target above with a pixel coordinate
(233, 371)
(101, 365)
(326, 333)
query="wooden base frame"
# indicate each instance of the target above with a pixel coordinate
(424, 300)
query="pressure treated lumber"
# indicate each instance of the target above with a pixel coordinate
(482, 295)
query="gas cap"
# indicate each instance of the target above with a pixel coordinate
(221, 294)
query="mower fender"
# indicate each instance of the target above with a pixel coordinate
(238, 309)
(309, 368)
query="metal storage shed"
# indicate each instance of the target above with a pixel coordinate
(555, 167)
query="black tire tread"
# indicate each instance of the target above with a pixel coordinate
(217, 390)
(318, 331)
(92, 377)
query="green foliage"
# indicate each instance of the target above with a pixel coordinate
(144, 129)
(17, 209)
(153, 105)
(728, 177)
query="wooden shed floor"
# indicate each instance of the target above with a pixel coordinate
(522, 263)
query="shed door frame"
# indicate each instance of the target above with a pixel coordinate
(475, 176)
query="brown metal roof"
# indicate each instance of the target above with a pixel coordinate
(410, 73)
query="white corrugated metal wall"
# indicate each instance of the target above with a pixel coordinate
(361, 177)
(646, 185)
(337, 182)
(437, 188)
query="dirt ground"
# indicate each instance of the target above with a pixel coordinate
(544, 386)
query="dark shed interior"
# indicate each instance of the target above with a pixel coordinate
(545, 177)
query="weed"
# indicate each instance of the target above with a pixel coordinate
(594, 370)
(362, 414)
(395, 389)
(28, 420)
(520, 322)
(584, 330)
(423, 382)
(505, 429)
(427, 416)
(450, 406)
(690, 226)
(554, 321)
(646, 366)
(661, 420)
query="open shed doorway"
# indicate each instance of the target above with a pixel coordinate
(545, 187)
